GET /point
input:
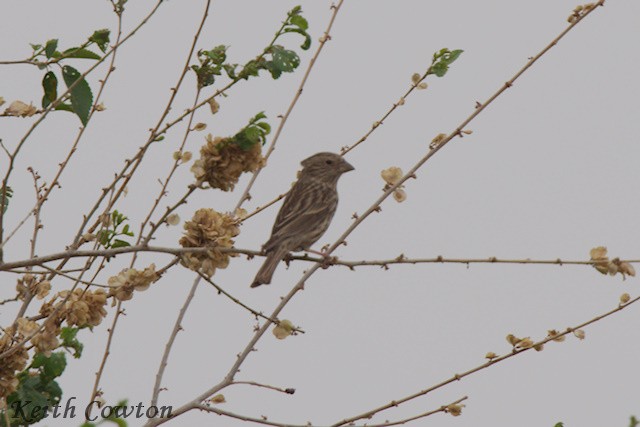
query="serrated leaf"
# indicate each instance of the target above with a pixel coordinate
(50, 86)
(50, 47)
(101, 38)
(81, 96)
(82, 53)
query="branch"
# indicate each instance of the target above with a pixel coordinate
(177, 327)
(457, 377)
(401, 259)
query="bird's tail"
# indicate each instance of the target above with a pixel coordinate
(270, 263)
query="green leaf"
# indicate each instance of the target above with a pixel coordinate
(217, 55)
(50, 86)
(81, 96)
(8, 193)
(35, 392)
(52, 366)
(231, 70)
(251, 68)
(64, 107)
(283, 61)
(307, 37)
(117, 243)
(50, 47)
(265, 126)
(101, 38)
(35, 46)
(299, 21)
(454, 55)
(559, 425)
(104, 237)
(79, 52)
(442, 60)
(254, 133)
(68, 335)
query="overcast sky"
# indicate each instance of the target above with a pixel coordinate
(550, 171)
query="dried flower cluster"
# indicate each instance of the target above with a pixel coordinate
(579, 12)
(11, 364)
(604, 265)
(129, 280)
(29, 285)
(391, 176)
(20, 109)
(213, 230)
(221, 163)
(79, 307)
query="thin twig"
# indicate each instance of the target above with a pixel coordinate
(256, 313)
(105, 355)
(177, 327)
(458, 377)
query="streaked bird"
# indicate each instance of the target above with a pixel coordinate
(306, 212)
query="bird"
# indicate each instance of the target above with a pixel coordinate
(306, 213)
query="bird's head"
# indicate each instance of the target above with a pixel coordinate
(328, 165)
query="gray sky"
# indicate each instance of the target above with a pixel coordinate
(550, 171)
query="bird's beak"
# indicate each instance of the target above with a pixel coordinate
(346, 167)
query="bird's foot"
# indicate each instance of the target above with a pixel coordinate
(327, 260)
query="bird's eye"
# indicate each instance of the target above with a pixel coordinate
(329, 162)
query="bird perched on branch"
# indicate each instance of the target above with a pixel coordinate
(306, 212)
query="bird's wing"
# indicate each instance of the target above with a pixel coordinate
(306, 203)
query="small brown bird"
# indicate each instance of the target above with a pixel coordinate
(306, 212)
